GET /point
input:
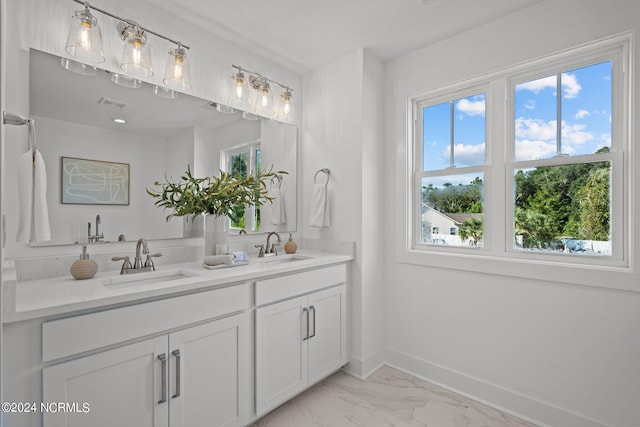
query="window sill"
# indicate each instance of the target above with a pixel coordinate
(608, 277)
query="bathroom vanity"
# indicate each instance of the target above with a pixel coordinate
(181, 346)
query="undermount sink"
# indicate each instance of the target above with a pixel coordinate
(280, 259)
(137, 279)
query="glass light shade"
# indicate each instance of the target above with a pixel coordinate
(176, 74)
(249, 116)
(84, 41)
(164, 92)
(224, 109)
(125, 81)
(239, 91)
(78, 67)
(285, 109)
(264, 101)
(136, 59)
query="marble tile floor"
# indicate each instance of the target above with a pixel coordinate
(387, 398)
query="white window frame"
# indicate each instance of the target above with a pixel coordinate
(431, 100)
(498, 255)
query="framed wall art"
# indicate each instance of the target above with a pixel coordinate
(94, 182)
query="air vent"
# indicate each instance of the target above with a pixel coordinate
(114, 102)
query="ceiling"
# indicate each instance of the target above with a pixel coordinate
(304, 35)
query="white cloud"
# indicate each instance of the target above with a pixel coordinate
(471, 108)
(536, 86)
(530, 105)
(575, 134)
(581, 114)
(534, 149)
(466, 154)
(570, 85)
(535, 129)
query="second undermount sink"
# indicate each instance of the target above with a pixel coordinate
(151, 277)
(282, 259)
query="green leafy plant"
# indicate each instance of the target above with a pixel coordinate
(216, 195)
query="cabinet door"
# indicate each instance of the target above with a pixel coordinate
(327, 344)
(210, 373)
(281, 357)
(122, 387)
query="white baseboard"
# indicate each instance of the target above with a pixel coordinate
(361, 369)
(511, 402)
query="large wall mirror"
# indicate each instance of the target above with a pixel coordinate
(80, 117)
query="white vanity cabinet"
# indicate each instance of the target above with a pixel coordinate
(194, 376)
(300, 333)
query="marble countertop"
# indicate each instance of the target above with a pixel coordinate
(32, 299)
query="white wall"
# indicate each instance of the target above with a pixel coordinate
(342, 132)
(566, 355)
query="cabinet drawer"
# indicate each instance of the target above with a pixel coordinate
(284, 287)
(65, 337)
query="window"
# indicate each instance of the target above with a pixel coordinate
(552, 185)
(563, 162)
(244, 160)
(451, 156)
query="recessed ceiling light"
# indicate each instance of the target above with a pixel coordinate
(119, 120)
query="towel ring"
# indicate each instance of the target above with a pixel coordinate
(279, 178)
(326, 171)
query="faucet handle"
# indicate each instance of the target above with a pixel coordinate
(149, 261)
(126, 265)
(274, 247)
(261, 253)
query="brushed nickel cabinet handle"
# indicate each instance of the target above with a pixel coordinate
(176, 353)
(306, 310)
(312, 308)
(163, 359)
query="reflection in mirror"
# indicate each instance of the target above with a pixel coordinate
(90, 117)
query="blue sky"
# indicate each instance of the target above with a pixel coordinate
(586, 120)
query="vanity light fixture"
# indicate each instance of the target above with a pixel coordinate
(136, 58)
(85, 38)
(85, 43)
(252, 92)
(78, 67)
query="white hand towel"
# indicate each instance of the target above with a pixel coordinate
(33, 222)
(319, 206)
(277, 206)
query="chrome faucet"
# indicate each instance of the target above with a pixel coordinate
(98, 236)
(142, 248)
(272, 249)
(137, 262)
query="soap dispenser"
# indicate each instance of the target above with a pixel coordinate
(85, 267)
(291, 246)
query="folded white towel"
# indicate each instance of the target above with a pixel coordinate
(277, 206)
(33, 222)
(218, 259)
(319, 206)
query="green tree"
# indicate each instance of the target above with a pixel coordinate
(471, 229)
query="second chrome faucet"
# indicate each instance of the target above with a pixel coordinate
(142, 248)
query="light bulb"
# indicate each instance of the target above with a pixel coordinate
(84, 41)
(176, 74)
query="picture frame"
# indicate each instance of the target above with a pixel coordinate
(93, 182)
